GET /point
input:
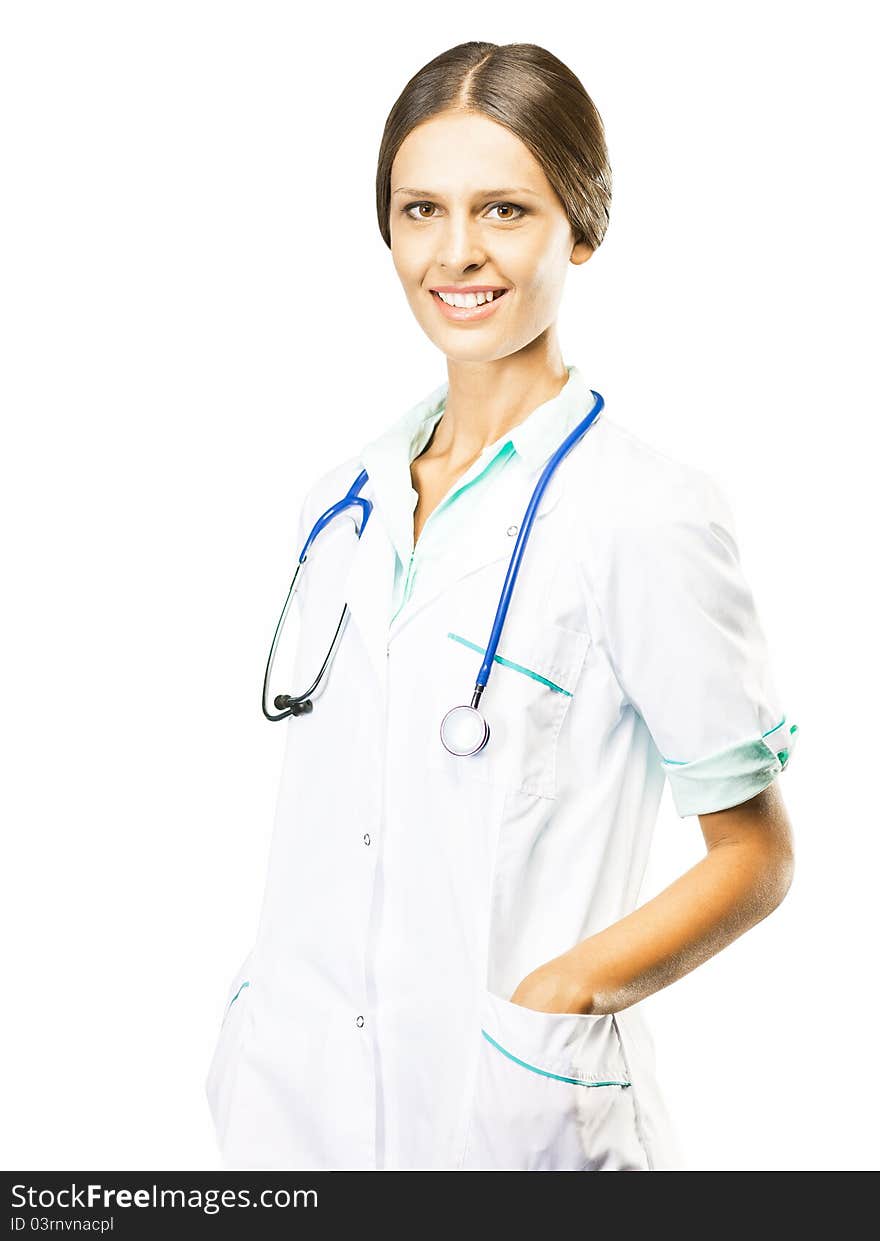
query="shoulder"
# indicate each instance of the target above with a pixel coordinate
(623, 482)
(638, 515)
(329, 487)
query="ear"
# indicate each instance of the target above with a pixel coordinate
(581, 252)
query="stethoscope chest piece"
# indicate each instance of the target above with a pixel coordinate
(464, 731)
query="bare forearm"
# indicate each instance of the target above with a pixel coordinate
(742, 878)
(728, 891)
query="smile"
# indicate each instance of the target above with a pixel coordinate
(472, 308)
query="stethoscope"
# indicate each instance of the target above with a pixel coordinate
(464, 730)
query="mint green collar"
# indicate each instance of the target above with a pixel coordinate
(534, 439)
(388, 457)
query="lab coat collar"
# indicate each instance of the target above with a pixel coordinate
(370, 581)
(388, 458)
(538, 436)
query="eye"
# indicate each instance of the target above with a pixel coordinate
(508, 206)
(409, 207)
(407, 210)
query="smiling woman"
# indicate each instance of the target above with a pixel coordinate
(549, 206)
(450, 960)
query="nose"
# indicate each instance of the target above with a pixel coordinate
(459, 244)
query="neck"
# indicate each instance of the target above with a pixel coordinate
(485, 399)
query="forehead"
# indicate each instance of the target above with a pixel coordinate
(465, 153)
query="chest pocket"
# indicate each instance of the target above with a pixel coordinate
(528, 696)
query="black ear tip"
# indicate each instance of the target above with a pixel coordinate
(284, 702)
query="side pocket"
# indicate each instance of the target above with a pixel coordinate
(246, 983)
(659, 1137)
(233, 1028)
(552, 1093)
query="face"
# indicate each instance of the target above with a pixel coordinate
(472, 208)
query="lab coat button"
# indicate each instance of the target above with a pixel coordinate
(512, 530)
(366, 838)
(360, 1021)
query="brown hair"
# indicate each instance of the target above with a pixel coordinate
(534, 95)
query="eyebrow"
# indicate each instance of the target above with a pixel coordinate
(514, 189)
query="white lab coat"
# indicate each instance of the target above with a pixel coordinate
(410, 891)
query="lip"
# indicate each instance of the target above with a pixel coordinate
(466, 314)
(468, 288)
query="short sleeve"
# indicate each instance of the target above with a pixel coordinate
(685, 640)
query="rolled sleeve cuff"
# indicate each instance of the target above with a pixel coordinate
(733, 775)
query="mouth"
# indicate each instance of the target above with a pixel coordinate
(475, 310)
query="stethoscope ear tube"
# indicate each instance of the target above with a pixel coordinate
(301, 704)
(284, 703)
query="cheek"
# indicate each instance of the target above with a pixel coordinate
(538, 302)
(542, 290)
(405, 256)
(549, 262)
(412, 273)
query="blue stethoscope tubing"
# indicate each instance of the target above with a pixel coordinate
(475, 725)
(522, 539)
(475, 731)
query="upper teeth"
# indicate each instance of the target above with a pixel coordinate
(466, 299)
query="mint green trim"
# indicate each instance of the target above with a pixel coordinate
(503, 452)
(237, 994)
(508, 663)
(682, 762)
(729, 777)
(407, 586)
(575, 1081)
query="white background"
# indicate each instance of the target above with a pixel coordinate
(199, 317)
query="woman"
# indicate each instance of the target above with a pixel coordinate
(450, 958)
